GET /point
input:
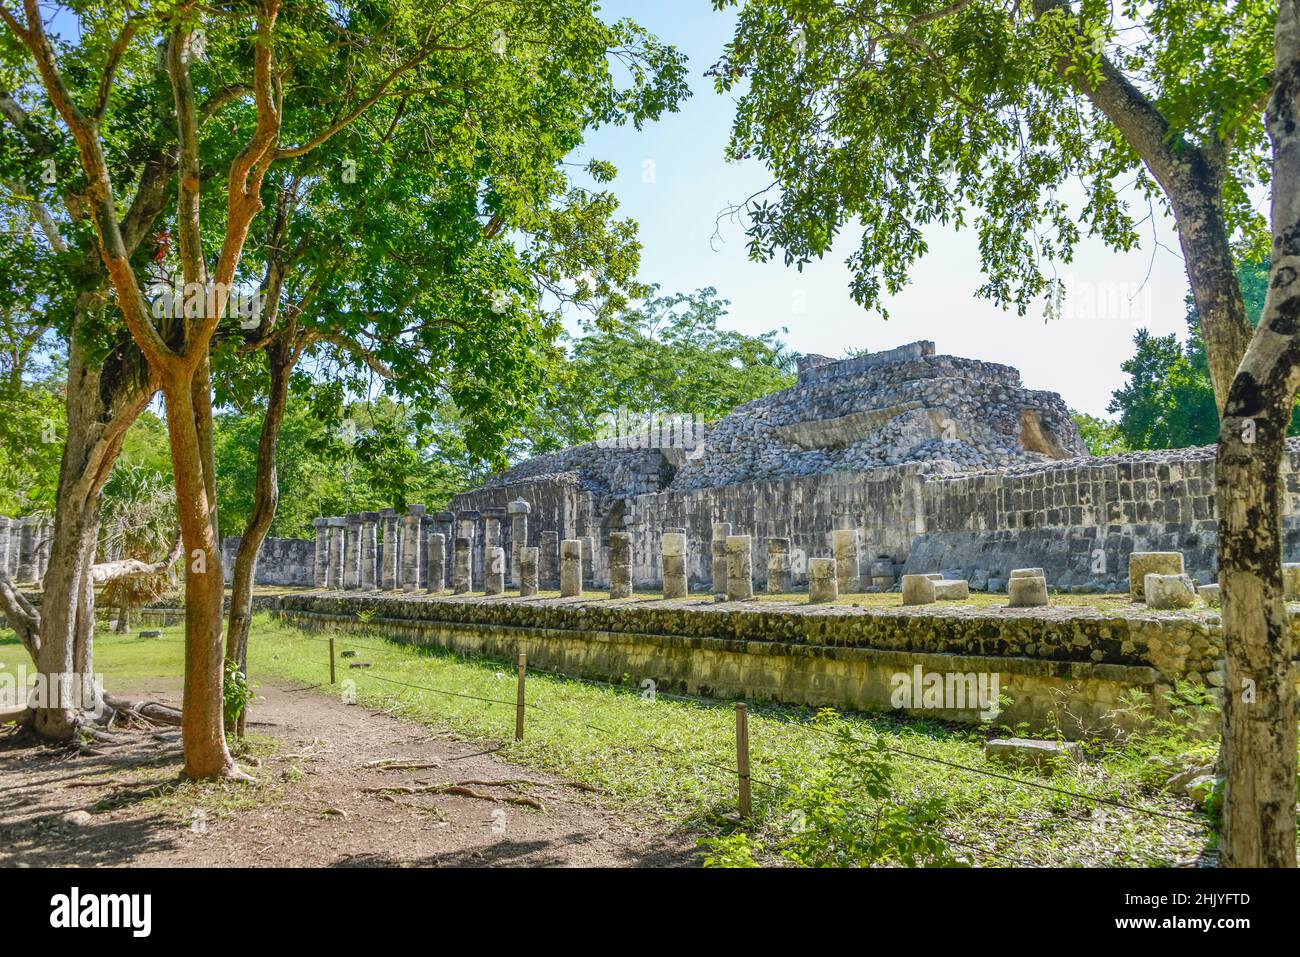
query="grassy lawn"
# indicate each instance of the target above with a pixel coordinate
(670, 757)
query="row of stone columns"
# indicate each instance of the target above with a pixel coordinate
(25, 547)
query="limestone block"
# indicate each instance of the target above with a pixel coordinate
(844, 546)
(823, 583)
(778, 566)
(571, 568)
(460, 566)
(958, 590)
(918, 590)
(740, 568)
(1032, 753)
(1168, 591)
(674, 562)
(528, 557)
(1027, 592)
(1027, 573)
(1210, 593)
(882, 574)
(1141, 564)
(494, 571)
(437, 548)
(719, 553)
(548, 561)
(620, 565)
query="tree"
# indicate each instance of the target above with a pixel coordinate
(902, 114)
(666, 356)
(425, 253)
(1168, 402)
(1259, 816)
(1099, 435)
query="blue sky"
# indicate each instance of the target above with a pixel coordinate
(673, 181)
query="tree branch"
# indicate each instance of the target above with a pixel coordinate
(106, 572)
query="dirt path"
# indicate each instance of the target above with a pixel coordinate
(310, 807)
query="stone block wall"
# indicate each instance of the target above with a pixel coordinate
(282, 561)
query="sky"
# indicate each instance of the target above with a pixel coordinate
(674, 182)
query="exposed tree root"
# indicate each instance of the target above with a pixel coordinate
(462, 789)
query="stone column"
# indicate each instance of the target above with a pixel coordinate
(588, 559)
(570, 568)
(445, 523)
(4, 545)
(369, 550)
(778, 566)
(548, 561)
(720, 532)
(740, 568)
(620, 565)
(411, 522)
(844, 546)
(388, 562)
(27, 549)
(322, 563)
(823, 583)
(460, 567)
(352, 553)
(494, 571)
(437, 553)
(519, 510)
(673, 545)
(527, 571)
(334, 574)
(493, 518)
(467, 527)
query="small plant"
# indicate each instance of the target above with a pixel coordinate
(235, 694)
(731, 850)
(366, 615)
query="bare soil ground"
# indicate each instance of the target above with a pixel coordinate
(319, 765)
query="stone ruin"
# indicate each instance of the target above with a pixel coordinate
(939, 466)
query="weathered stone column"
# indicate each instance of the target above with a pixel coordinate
(740, 568)
(823, 583)
(844, 546)
(334, 575)
(27, 549)
(674, 559)
(588, 559)
(778, 566)
(467, 526)
(446, 525)
(437, 553)
(411, 522)
(460, 566)
(369, 550)
(570, 568)
(720, 532)
(5, 524)
(320, 567)
(620, 565)
(388, 562)
(492, 519)
(548, 561)
(352, 552)
(494, 571)
(527, 571)
(519, 510)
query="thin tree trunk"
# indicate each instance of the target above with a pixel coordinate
(1259, 813)
(202, 730)
(266, 499)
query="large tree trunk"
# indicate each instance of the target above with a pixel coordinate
(266, 498)
(1259, 814)
(103, 397)
(202, 730)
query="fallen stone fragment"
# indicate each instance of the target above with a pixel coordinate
(958, 590)
(1166, 592)
(1032, 752)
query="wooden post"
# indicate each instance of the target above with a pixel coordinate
(519, 697)
(742, 757)
(331, 659)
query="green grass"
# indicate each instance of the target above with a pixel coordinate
(668, 758)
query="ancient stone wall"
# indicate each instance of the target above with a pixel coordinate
(282, 561)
